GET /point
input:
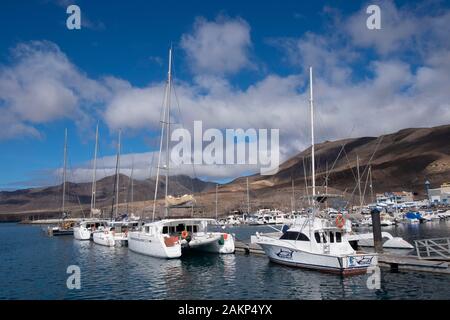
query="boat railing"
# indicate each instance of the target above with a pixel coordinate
(433, 249)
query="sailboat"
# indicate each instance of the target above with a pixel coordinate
(85, 228)
(116, 232)
(168, 238)
(64, 228)
(316, 243)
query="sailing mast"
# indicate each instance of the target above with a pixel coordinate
(132, 185)
(248, 199)
(370, 184)
(118, 173)
(164, 122)
(293, 196)
(64, 174)
(217, 187)
(169, 88)
(313, 173)
(359, 183)
(94, 182)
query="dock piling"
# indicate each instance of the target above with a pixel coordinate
(376, 229)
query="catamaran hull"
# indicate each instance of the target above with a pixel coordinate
(218, 245)
(152, 246)
(345, 265)
(108, 239)
(81, 233)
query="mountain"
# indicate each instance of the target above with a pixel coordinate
(78, 195)
(399, 161)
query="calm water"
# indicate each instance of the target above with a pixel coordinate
(33, 266)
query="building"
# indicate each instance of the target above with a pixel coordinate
(395, 197)
(440, 195)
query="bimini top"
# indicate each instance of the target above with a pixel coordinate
(183, 220)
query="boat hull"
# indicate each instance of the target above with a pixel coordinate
(109, 239)
(344, 265)
(80, 233)
(152, 246)
(220, 243)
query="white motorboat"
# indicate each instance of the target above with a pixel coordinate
(366, 240)
(443, 214)
(166, 238)
(114, 234)
(386, 220)
(316, 243)
(85, 228)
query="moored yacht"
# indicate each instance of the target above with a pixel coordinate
(115, 233)
(316, 243)
(85, 228)
(168, 238)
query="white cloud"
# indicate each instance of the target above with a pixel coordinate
(354, 95)
(218, 47)
(42, 85)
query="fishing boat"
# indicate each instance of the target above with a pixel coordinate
(64, 227)
(316, 243)
(168, 238)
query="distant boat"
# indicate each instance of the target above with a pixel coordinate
(84, 229)
(64, 227)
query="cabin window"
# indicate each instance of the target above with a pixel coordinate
(324, 239)
(165, 229)
(338, 237)
(290, 235)
(180, 228)
(147, 229)
(317, 236)
(332, 237)
(194, 228)
(189, 228)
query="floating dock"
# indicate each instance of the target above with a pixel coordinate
(385, 260)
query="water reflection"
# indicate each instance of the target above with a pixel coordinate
(34, 267)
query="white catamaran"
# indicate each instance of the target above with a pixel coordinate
(166, 238)
(315, 243)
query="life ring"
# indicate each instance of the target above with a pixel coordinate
(340, 221)
(225, 236)
(184, 234)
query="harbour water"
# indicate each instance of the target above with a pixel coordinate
(33, 266)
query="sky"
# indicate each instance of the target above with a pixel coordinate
(237, 64)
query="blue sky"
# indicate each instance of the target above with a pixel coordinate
(112, 70)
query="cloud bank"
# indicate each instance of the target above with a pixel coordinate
(367, 82)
